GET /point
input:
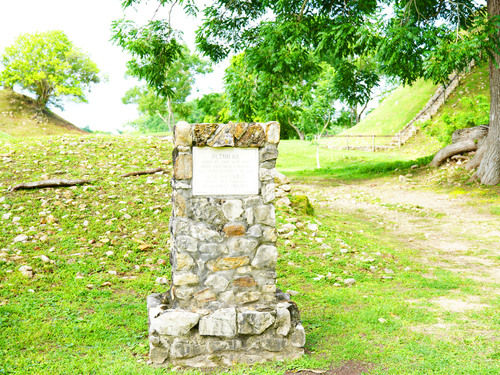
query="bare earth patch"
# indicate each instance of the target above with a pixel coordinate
(347, 368)
(448, 232)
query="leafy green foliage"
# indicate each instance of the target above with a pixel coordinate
(476, 112)
(212, 107)
(154, 48)
(179, 78)
(48, 65)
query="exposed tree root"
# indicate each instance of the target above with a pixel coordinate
(138, 173)
(49, 183)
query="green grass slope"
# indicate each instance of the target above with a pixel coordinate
(467, 106)
(396, 110)
(20, 118)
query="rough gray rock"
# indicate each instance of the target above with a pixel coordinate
(254, 322)
(173, 322)
(220, 323)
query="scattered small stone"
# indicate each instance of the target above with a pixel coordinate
(107, 283)
(407, 269)
(293, 293)
(313, 227)
(337, 284)
(344, 251)
(44, 258)
(403, 179)
(161, 262)
(161, 280)
(112, 272)
(109, 253)
(90, 286)
(26, 271)
(127, 216)
(349, 282)
(388, 271)
(382, 320)
(31, 291)
(319, 277)
(79, 275)
(20, 238)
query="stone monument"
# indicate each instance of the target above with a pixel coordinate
(223, 307)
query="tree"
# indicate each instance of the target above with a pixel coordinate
(167, 86)
(319, 114)
(212, 107)
(48, 65)
(408, 38)
(256, 95)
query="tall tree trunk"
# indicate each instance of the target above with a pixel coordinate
(489, 169)
(170, 115)
(300, 134)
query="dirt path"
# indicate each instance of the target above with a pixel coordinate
(451, 233)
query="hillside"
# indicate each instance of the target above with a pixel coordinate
(396, 110)
(20, 118)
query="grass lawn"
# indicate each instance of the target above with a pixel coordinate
(97, 251)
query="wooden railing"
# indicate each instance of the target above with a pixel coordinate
(373, 136)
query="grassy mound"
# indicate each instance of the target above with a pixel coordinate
(19, 117)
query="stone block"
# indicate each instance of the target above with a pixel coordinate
(184, 348)
(158, 354)
(223, 136)
(228, 297)
(252, 201)
(183, 167)
(183, 262)
(204, 296)
(183, 293)
(217, 283)
(247, 297)
(265, 214)
(267, 174)
(182, 134)
(213, 249)
(273, 132)
(245, 282)
(265, 257)
(203, 232)
(234, 230)
(229, 263)
(298, 338)
(268, 192)
(255, 136)
(186, 243)
(202, 133)
(240, 129)
(175, 322)
(185, 278)
(180, 226)
(249, 216)
(283, 321)
(269, 234)
(232, 208)
(215, 346)
(255, 231)
(242, 245)
(179, 204)
(267, 153)
(254, 322)
(220, 323)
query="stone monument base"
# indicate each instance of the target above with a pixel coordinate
(224, 336)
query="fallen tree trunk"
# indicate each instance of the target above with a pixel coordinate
(453, 149)
(49, 183)
(138, 173)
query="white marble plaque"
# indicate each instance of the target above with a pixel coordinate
(225, 171)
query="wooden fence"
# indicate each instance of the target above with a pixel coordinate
(372, 136)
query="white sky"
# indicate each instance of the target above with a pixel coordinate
(87, 24)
